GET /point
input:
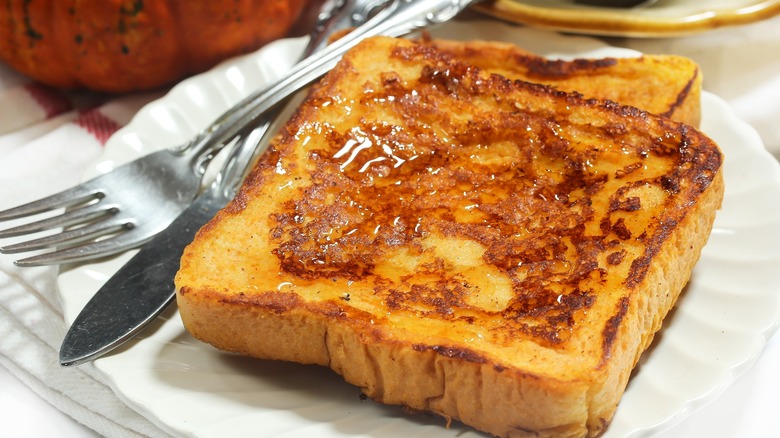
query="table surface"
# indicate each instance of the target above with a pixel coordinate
(744, 409)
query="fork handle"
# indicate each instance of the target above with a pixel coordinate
(396, 18)
(334, 15)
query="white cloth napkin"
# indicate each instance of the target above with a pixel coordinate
(63, 133)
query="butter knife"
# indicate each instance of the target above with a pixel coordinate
(143, 288)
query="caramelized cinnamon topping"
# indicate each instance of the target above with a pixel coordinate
(444, 166)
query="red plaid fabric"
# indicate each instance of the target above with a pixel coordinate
(53, 102)
(97, 124)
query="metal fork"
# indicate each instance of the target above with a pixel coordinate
(393, 18)
(126, 207)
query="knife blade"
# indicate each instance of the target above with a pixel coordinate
(139, 291)
(144, 287)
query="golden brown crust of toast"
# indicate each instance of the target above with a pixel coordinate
(666, 85)
(494, 251)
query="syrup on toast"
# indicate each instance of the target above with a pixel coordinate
(493, 251)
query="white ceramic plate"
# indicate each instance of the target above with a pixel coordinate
(718, 328)
(652, 18)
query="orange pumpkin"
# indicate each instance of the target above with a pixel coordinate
(130, 45)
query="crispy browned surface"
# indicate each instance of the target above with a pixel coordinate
(666, 85)
(492, 251)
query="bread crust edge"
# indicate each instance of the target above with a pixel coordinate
(491, 397)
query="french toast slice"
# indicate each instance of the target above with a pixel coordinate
(493, 251)
(667, 85)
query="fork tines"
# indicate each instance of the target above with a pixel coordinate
(83, 207)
